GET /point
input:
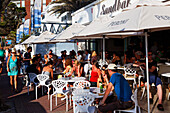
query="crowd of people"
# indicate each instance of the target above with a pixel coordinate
(74, 65)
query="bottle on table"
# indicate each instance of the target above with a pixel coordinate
(101, 87)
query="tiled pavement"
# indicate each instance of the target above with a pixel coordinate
(23, 103)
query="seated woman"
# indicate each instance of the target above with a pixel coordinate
(104, 78)
(94, 57)
(48, 70)
(68, 67)
(95, 74)
(77, 69)
(39, 65)
(115, 59)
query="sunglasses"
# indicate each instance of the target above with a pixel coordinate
(149, 54)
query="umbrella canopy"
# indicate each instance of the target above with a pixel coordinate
(69, 32)
(140, 3)
(45, 37)
(29, 40)
(89, 32)
(154, 18)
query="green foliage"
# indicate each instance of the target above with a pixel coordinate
(69, 6)
(2, 24)
(12, 19)
(24, 38)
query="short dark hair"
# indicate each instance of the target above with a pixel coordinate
(29, 48)
(50, 62)
(34, 59)
(96, 64)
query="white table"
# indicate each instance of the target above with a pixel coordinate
(167, 75)
(97, 91)
(72, 79)
(120, 68)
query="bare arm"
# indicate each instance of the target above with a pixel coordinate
(152, 69)
(52, 74)
(7, 64)
(72, 70)
(110, 85)
(81, 71)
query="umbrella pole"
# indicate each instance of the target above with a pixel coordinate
(103, 49)
(76, 48)
(55, 49)
(147, 71)
(33, 51)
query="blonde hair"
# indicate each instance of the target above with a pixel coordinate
(77, 62)
(94, 54)
(68, 62)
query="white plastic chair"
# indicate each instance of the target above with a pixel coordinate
(87, 69)
(81, 84)
(58, 86)
(134, 98)
(82, 103)
(140, 76)
(130, 74)
(32, 76)
(42, 78)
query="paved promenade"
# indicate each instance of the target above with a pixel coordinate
(23, 103)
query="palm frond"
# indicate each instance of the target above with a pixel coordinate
(68, 6)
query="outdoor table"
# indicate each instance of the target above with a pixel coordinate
(167, 75)
(120, 68)
(167, 63)
(95, 92)
(71, 80)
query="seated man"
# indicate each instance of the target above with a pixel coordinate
(122, 90)
(33, 67)
(153, 78)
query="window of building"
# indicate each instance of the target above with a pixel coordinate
(23, 3)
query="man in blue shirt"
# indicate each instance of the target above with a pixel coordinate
(122, 90)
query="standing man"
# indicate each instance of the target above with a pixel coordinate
(87, 56)
(122, 90)
(27, 57)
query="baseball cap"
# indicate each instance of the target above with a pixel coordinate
(112, 67)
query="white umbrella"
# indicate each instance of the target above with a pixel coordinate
(69, 32)
(98, 23)
(140, 3)
(29, 40)
(45, 37)
(152, 18)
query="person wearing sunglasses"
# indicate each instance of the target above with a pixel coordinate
(153, 79)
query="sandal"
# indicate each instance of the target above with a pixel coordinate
(160, 107)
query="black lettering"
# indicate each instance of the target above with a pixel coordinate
(110, 9)
(168, 18)
(123, 4)
(114, 6)
(128, 2)
(118, 5)
(158, 17)
(103, 9)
